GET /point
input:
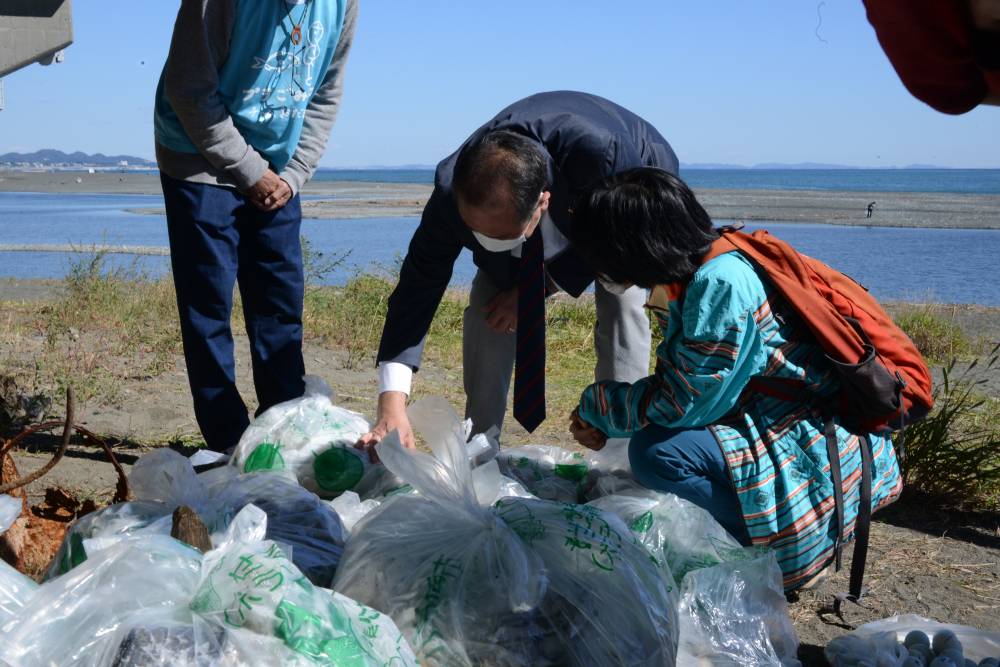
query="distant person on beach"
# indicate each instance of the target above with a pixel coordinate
(244, 108)
(505, 195)
(871, 209)
(946, 52)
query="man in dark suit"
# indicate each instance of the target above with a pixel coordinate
(505, 194)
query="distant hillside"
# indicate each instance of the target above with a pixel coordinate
(799, 166)
(49, 156)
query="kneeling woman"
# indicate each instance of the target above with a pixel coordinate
(699, 427)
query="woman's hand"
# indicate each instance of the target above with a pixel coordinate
(585, 434)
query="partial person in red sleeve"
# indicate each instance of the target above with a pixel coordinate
(946, 52)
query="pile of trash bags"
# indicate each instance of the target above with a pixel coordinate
(517, 581)
(152, 600)
(461, 556)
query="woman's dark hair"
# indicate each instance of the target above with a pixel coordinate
(499, 162)
(642, 226)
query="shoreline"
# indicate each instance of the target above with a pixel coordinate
(355, 199)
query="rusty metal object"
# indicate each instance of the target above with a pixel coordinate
(67, 434)
(122, 490)
(35, 537)
(188, 528)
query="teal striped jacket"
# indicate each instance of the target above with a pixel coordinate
(725, 328)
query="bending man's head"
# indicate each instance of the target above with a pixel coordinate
(642, 227)
(500, 186)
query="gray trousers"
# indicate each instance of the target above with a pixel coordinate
(621, 341)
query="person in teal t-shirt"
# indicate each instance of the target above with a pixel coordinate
(244, 109)
(757, 462)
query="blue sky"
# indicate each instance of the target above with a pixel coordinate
(725, 81)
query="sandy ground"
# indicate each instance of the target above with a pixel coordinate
(353, 200)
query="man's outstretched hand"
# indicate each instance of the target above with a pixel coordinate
(391, 416)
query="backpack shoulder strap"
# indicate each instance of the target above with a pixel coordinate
(720, 246)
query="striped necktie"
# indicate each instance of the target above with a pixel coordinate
(529, 371)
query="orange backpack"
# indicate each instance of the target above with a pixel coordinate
(885, 383)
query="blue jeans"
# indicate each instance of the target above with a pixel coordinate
(218, 238)
(689, 464)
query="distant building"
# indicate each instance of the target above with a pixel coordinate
(32, 31)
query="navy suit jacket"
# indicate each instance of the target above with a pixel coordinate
(587, 139)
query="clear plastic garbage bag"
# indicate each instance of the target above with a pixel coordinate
(311, 439)
(155, 602)
(471, 580)
(164, 480)
(684, 535)
(883, 640)
(550, 473)
(733, 609)
(735, 614)
(553, 473)
(71, 620)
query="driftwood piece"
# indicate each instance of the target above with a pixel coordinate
(188, 528)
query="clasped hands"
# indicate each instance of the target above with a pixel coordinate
(270, 193)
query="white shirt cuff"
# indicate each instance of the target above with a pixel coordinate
(394, 376)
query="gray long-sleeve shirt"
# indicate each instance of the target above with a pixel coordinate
(198, 49)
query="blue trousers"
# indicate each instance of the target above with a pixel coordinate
(689, 464)
(218, 238)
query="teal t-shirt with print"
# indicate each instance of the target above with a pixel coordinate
(269, 76)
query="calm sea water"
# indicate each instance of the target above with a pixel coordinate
(955, 266)
(971, 181)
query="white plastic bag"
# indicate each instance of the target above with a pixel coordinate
(164, 480)
(521, 582)
(351, 509)
(253, 585)
(882, 640)
(311, 439)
